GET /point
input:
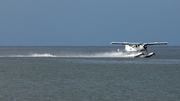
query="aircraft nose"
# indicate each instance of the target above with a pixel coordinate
(145, 47)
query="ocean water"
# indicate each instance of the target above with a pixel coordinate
(88, 73)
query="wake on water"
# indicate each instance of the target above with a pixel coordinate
(105, 54)
(32, 55)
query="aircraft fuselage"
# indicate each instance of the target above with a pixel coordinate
(131, 48)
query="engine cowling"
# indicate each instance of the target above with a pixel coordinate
(145, 47)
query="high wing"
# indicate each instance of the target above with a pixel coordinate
(129, 43)
(157, 43)
(125, 43)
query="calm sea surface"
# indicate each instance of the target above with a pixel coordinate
(88, 74)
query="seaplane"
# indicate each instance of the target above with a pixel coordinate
(139, 48)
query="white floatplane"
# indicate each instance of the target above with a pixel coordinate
(140, 48)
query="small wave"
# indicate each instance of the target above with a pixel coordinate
(42, 55)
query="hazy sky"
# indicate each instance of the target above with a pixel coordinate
(88, 22)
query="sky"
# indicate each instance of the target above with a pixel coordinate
(88, 22)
